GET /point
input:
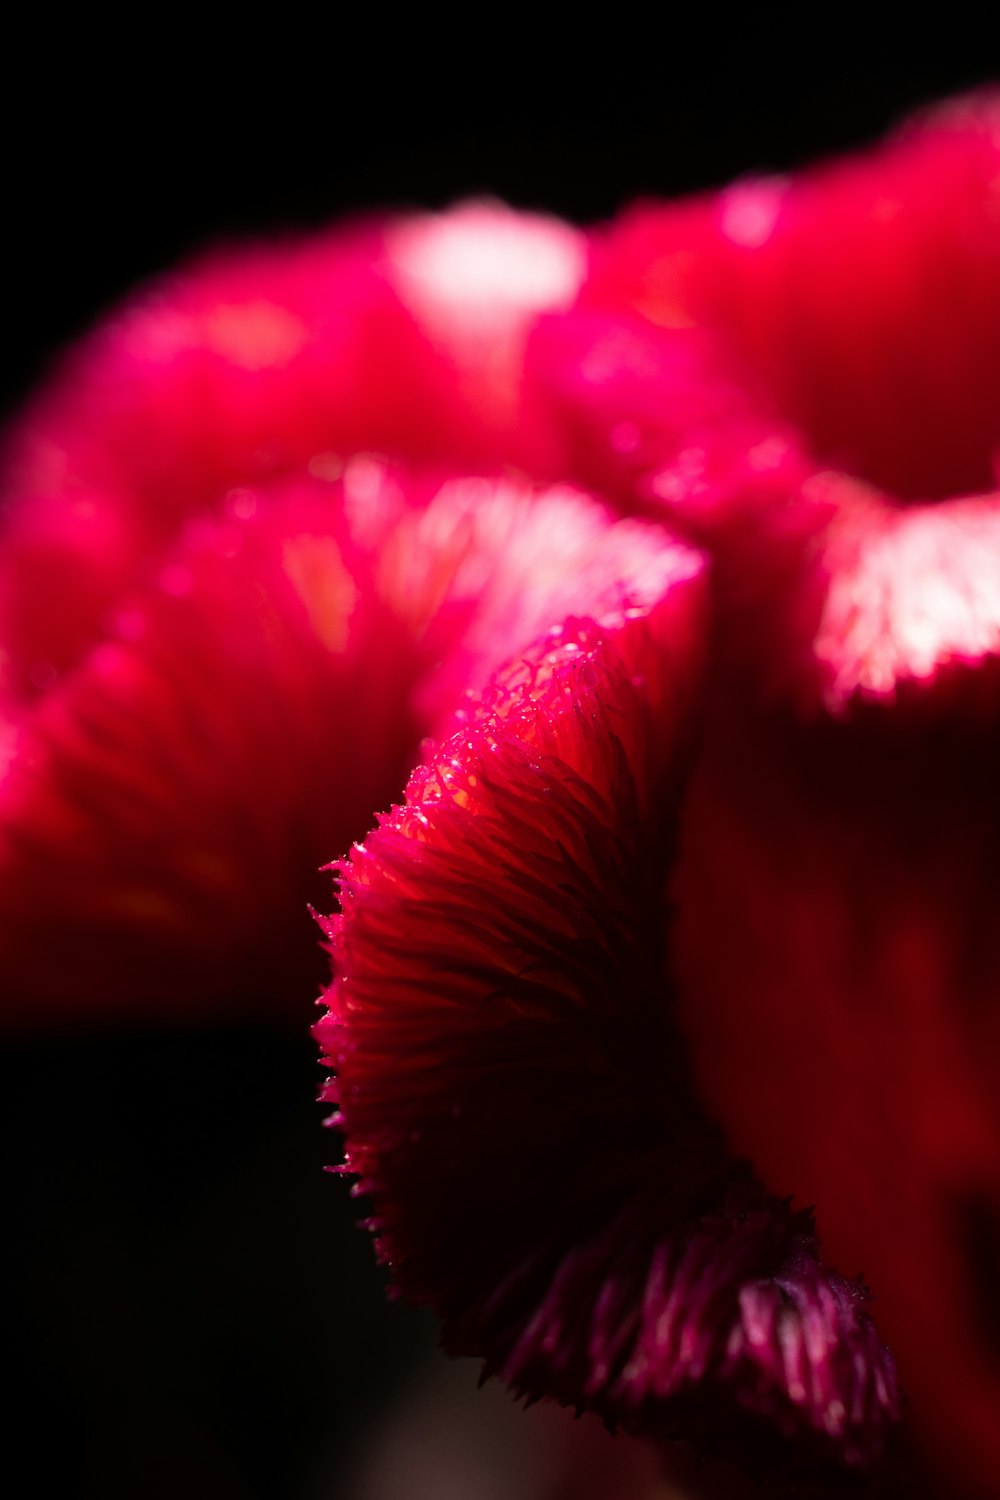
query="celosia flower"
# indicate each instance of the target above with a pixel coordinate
(697, 858)
(516, 1093)
(803, 373)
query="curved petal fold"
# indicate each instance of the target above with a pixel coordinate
(515, 1091)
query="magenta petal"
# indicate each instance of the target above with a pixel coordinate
(404, 337)
(167, 807)
(515, 1094)
(842, 824)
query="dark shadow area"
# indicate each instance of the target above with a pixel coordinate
(189, 1307)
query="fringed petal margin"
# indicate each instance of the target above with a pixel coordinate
(515, 1093)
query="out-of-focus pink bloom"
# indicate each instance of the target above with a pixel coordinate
(402, 337)
(223, 631)
(847, 313)
(167, 805)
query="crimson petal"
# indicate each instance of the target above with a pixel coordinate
(166, 808)
(515, 1093)
(842, 824)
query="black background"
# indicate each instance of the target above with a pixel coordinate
(127, 149)
(192, 1312)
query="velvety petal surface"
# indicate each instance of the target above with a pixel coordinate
(165, 808)
(515, 1093)
(403, 336)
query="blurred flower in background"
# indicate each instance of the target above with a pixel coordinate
(636, 572)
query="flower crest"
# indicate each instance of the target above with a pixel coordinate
(649, 576)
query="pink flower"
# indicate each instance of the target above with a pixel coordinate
(841, 826)
(169, 802)
(684, 920)
(226, 628)
(516, 1094)
(400, 337)
(803, 377)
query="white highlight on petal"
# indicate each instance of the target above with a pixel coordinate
(750, 210)
(487, 263)
(922, 591)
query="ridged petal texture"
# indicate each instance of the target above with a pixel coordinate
(609, 921)
(167, 804)
(515, 1091)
